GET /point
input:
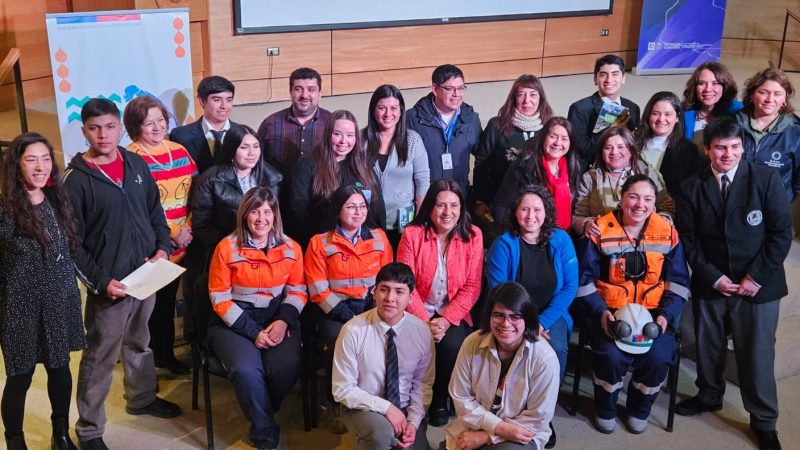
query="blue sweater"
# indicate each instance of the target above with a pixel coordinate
(503, 265)
(690, 116)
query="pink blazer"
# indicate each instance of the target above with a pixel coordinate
(418, 249)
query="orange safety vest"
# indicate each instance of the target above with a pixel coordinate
(336, 269)
(245, 274)
(657, 240)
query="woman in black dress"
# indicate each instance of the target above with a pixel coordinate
(40, 305)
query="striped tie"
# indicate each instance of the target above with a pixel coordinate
(726, 187)
(392, 385)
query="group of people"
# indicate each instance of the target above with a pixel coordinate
(431, 295)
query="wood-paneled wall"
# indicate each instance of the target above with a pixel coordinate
(754, 31)
(354, 61)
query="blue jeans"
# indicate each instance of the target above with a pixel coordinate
(559, 340)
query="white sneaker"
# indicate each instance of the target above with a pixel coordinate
(636, 426)
(605, 426)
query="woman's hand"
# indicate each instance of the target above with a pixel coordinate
(590, 227)
(184, 237)
(605, 320)
(662, 323)
(472, 439)
(514, 433)
(439, 327)
(544, 333)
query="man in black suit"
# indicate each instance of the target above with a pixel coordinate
(202, 138)
(609, 77)
(735, 223)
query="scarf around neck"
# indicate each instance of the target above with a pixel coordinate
(526, 123)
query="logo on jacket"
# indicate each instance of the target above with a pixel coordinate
(754, 217)
(776, 160)
(138, 179)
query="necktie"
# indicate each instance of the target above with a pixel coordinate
(726, 186)
(218, 136)
(392, 384)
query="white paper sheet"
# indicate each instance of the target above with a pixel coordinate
(150, 277)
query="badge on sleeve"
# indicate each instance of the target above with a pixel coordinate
(447, 161)
(755, 217)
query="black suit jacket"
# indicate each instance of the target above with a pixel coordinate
(681, 161)
(194, 139)
(583, 115)
(750, 234)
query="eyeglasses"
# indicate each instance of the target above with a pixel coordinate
(452, 89)
(500, 317)
(353, 207)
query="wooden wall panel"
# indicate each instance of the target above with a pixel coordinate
(581, 35)
(23, 26)
(352, 83)
(430, 46)
(567, 65)
(764, 51)
(258, 91)
(762, 22)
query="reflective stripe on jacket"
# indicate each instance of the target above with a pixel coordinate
(248, 275)
(336, 269)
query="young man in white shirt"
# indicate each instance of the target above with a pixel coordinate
(383, 368)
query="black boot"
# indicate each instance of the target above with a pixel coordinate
(16, 442)
(61, 440)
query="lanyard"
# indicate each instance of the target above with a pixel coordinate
(448, 133)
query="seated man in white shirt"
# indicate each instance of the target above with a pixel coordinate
(383, 368)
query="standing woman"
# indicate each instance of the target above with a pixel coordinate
(40, 305)
(550, 160)
(664, 147)
(339, 161)
(398, 157)
(710, 93)
(771, 129)
(258, 291)
(445, 252)
(172, 168)
(341, 263)
(599, 192)
(519, 119)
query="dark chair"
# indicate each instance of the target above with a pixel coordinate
(204, 358)
(584, 344)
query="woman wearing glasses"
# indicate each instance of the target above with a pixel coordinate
(505, 381)
(445, 252)
(635, 259)
(342, 262)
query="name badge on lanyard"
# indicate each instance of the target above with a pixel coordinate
(447, 157)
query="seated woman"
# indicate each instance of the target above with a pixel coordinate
(518, 121)
(445, 252)
(339, 161)
(257, 290)
(541, 257)
(710, 93)
(505, 382)
(549, 160)
(635, 259)
(664, 148)
(599, 193)
(398, 157)
(771, 128)
(341, 264)
(173, 169)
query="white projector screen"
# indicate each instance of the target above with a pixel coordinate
(271, 16)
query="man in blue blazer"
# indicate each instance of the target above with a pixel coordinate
(735, 223)
(201, 137)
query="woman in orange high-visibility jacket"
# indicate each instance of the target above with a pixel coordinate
(257, 290)
(341, 263)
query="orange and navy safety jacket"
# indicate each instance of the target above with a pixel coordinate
(337, 269)
(243, 278)
(659, 279)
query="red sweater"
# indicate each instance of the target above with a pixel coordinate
(419, 250)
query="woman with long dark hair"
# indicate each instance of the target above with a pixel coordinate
(445, 252)
(40, 305)
(398, 157)
(550, 160)
(710, 93)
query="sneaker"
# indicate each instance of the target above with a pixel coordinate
(694, 406)
(636, 425)
(157, 408)
(605, 426)
(94, 444)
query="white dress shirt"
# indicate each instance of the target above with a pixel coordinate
(529, 396)
(359, 365)
(210, 137)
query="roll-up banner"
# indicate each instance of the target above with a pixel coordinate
(119, 55)
(678, 35)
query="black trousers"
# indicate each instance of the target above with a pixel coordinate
(446, 353)
(162, 323)
(753, 327)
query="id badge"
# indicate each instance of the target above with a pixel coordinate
(447, 161)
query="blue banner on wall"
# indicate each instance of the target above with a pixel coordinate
(678, 35)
